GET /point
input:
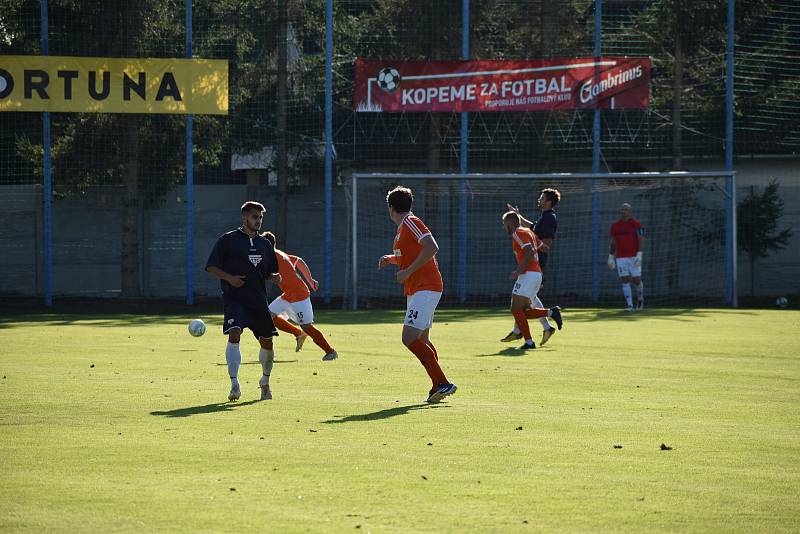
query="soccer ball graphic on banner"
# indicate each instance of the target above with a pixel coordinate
(389, 79)
(782, 302)
(197, 327)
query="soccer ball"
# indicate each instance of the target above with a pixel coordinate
(782, 302)
(197, 327)
(389, 79)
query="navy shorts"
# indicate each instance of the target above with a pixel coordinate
(258, 320)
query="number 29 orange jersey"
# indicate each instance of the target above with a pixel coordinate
(522, 238)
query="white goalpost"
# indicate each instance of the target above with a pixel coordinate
(689, 252)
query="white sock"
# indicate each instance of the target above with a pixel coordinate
(267, 358)
(234, 359)
(545, 323)
(516, 330)
(626, 290)
(640, 291)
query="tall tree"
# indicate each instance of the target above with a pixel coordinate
(757, 226)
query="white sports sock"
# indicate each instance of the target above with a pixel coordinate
(640, 291)
(516, 330)
(234, 359)
(267, 358)
(626, 290)
(538, 304)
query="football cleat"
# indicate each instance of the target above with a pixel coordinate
(300, 340)
(546, 335)
(640, 305)
(330, 356)
(512, 336)
(266, 394)
(528, 346)
(437, 394)
(235, 393)
(555, 313)
(629, 309)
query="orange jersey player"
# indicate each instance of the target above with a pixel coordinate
(527, 277)
(414, 250)
(295, 302)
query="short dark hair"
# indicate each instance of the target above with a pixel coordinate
(400, 198)
(514, 216)
(269, 236)
(252, 205)
(552, 195)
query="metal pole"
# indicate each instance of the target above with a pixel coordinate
(48, 175)
(730, 209)
(189, 176)
(354, 233)
(598, 33)
(462, 214)
(328, 233)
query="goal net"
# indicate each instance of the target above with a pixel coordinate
(683, 216)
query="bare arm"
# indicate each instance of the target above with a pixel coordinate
(306, 273)
(522, 220)
(386, 259)
(429, 250)
(545, 244)
(234, 280)
(527, 256)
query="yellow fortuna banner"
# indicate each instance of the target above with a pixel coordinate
(113, 85)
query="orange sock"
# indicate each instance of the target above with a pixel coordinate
(535, 313)
(522, 323)
(435, 354)
(318, 338)
(286, 326)
(427, 357)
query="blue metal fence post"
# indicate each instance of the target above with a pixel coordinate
(462, 214)
(328, 233)
(189, 175)
(48, 175)
(598, 33)
(730, 209)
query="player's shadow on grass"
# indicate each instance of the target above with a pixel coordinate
(383, 414)
(207, 408)
(256, 363)
(514, 352)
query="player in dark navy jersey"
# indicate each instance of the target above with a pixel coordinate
(244, 261)
(545, 229)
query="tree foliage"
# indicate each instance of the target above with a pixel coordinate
(757, 222)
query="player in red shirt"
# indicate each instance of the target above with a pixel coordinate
(625, 255)
(295, 302)
(414, 250)
(528, 278)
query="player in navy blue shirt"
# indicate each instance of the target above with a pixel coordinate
(243, 261)
(545, 229)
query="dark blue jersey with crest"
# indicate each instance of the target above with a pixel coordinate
(237, 253)
(546, 225)
(545, 228)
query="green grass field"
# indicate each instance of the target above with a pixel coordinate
(121, 423)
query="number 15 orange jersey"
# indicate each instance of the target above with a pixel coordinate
(407, 248)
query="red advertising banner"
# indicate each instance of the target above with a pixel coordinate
(501, 85)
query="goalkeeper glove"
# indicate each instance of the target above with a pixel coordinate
(612, 264)
(637, 261)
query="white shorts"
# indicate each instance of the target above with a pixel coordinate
(625, 267)
(419, 309)
(300, 312)
(527, 284)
